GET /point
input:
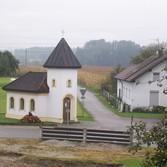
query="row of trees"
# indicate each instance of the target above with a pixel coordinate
(8, 64)
(103, 53)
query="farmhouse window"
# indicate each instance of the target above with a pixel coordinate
(11, 102)
(69, 83)
(32, 105)
(21, 104)
(156, 76)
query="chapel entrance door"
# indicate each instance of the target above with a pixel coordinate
(66, 109)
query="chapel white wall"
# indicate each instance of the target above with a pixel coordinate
(60, 91)
(40, 103)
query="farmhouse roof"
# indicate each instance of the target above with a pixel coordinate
(34, 82)
(134, 71)
(62, 57)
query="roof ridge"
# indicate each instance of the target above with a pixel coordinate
(134, 71)
(143, 65)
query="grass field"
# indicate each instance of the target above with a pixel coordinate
(82, 114)
(3, 81)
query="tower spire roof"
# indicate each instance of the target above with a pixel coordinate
(62, 57)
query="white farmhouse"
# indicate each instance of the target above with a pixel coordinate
(143, 85)
(51, 95)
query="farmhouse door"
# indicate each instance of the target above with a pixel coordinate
(154, 98)
(66, 109)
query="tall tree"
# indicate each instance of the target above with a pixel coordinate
(8, 64)
(147, 52)
(103, 53)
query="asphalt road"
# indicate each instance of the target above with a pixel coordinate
(32, 132)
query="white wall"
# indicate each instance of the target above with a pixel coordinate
(57, 94)
(138, 95)
(40, 104)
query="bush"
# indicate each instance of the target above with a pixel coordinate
(30, 118)
(159, 109)
(155, 109)
(141, 109)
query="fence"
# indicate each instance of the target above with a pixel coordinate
(110, 98)
(86, 135)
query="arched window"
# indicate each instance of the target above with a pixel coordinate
(11, 102)
(32, 105)
(21, 104)
(53, 83)
(69, 83)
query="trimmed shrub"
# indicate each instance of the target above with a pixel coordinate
(30, 118)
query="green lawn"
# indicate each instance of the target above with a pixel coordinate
(3, 81)
(82, 113)
(131, 162)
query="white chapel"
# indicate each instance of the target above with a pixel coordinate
(51, 95)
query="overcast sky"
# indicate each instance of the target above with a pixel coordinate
(25, 23)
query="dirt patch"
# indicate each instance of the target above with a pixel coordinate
(43, 162)
(37, 153)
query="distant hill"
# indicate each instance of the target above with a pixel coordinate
(94, 52)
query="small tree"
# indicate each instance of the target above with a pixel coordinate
(8, 64)
(111, 83)
(156, 137)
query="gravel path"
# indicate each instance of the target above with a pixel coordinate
(106, 119)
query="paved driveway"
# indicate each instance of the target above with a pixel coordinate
(106, 119)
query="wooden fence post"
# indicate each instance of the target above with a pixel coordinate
(84, 135)
(131, 136)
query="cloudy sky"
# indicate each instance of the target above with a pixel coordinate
(25, 23)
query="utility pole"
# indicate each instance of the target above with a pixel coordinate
(26, 51)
